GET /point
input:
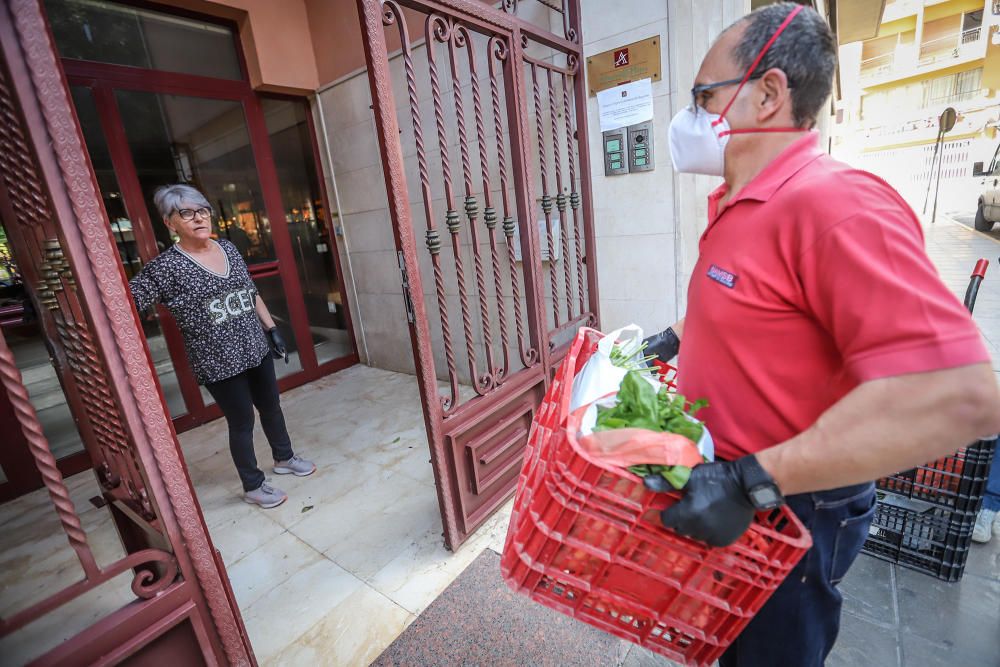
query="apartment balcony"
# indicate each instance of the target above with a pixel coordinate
(952, 49)
(907, 60)
(878, 67)
(900, 9)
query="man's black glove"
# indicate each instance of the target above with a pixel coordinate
(277, 341)
(664, 345)
(720, 500)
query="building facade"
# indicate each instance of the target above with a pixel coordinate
(927, 56)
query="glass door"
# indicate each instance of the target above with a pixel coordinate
(311, 227)
(206, 143)
(165, 99)
(126, 230)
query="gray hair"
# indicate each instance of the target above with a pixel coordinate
(169, 198)
(806, 52)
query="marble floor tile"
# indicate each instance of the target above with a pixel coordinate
(269, 566)
(324, 487)
(376, 522)
(298, 571)
(36, 559)
(285, 612)
(352, 634)
(425, 568)
(240, 530)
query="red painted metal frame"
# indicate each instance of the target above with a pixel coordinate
(466, 439)
(82, 284)
(103, 79)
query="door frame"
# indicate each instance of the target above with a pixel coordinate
(456, 435)
(103, 80)
(69, 255)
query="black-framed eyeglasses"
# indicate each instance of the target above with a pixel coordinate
(188, 214)
(699, 89)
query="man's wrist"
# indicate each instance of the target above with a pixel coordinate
(758, 484)
(769, 461)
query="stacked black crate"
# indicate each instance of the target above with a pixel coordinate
(925, 516)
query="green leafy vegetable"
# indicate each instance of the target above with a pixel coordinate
(626, 358)
(641, 406)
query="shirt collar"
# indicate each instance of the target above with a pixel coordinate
(763, 186)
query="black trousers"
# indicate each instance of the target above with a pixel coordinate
(798, 625)
(237, 396)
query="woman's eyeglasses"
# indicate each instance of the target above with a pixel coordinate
(188, 214)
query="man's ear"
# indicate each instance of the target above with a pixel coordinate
(775, 101)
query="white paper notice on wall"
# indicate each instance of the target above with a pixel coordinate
(543, 239)
(627, 104)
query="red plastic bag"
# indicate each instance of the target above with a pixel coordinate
(624, 447)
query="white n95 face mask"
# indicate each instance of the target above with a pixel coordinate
(698, 139)
(696, 146)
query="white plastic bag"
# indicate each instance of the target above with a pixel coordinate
(599, 377)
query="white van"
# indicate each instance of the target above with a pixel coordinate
(988, 211)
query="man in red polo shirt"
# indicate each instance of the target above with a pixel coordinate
(829, 350)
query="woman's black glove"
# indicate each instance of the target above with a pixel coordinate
(720, 500)
(664, 345)
(277, 341)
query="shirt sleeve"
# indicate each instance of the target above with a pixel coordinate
(870, 284)
(145, 289)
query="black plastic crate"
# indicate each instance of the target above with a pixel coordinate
(956, 482)
(921, 536)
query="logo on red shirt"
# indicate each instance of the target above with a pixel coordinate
(720, 275)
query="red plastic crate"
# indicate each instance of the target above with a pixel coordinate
(586, 540)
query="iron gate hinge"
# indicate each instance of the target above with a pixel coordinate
(407, 298)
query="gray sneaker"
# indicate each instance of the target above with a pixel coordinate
(266, 496)
(296, 465)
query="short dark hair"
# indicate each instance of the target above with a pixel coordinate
(806, 52)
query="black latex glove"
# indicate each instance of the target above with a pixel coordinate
(716, 507)
(277, 341)
(664, 345)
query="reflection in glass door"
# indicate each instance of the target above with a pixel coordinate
(124, 231)
(310, 227)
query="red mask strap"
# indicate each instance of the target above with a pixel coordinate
(754, 130)
(753, 66)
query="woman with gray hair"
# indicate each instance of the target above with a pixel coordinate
(229, 335)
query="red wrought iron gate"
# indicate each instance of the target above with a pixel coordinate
(488, 146)
(181, 609)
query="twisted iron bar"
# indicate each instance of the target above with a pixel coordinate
(24, 411)
(510, 7)
(460, 38)
(498, 49)
(574, 196)
(546, 199)
(440, 29)
(560, 197)
(392, 14)
(490, 219)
